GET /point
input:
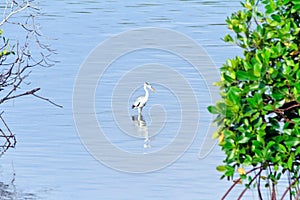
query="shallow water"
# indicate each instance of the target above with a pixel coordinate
(50, 161)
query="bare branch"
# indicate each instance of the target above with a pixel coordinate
(14, 11)
(5, 124)
(254, 178)
(10, 139)
(7, 97)
(239, 180)
(60, 106)
(22, 94)
(288, 188)
(16, 59)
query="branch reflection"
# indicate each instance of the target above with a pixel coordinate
(8, 190)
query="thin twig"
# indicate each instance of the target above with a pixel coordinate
(60, 106)
(22, 94)
(5, 19)
(6, 126)
(13, 89)
(7, 137)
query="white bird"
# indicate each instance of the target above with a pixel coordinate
(141, 101)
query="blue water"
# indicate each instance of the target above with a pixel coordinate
(50, 162)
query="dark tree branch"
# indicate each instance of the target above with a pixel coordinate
(8, 137)
(17, 59)
(254, 178)
(22, 94)
(258, 189)
(282, 110)
(238, 181)
(289, 187)
(46, 99)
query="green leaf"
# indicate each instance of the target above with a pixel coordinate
(296, 120)
(290, 161)
(221, 168)
(282, 148)
(242, 75)
(295, 8)
(243, 140)
(228, 38)
(216, 134)
(270, 144)
(255, 101)
(247, 65)
(234, 95)
(248, 160)
(257, 123)
(252, 102)
(229, 171)
(228, 78)
(297, 152)
(269, 107)
(258, 98)
(257, 69)
(277, 95)
(292, 142)
(221, 106)
(213, 110)
(276, 17)
(270, 8)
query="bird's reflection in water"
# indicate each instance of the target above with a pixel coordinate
(141, 125)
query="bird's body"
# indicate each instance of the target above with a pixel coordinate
(141, 101)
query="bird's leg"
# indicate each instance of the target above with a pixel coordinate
(140, 111)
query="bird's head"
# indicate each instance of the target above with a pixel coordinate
(146, 84)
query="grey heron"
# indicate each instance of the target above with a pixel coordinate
(141, 101)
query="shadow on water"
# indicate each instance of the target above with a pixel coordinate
(9, 191)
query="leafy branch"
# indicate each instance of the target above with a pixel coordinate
(259, 113)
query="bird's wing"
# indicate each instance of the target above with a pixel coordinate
(137, 102)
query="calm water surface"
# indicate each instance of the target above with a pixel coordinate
(50, 162)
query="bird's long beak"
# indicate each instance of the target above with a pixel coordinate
(153, 89)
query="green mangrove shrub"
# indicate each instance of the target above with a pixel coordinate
(258, 116)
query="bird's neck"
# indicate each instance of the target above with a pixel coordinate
(147, 93)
